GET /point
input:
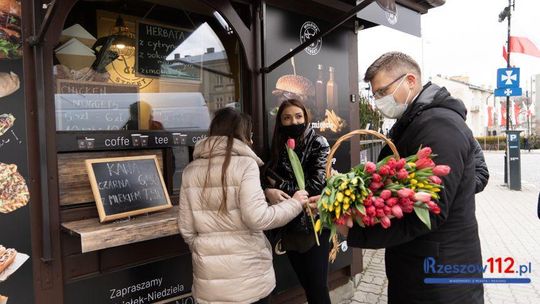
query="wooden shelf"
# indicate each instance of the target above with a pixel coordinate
(96, 236)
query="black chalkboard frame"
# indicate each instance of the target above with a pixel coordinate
(103, 216)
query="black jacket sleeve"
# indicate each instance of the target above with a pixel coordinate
(314, 169)
(481, 176)
(448, 139)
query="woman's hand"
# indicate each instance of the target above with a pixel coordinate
(302, 197)
(275, 196)
(313, 203)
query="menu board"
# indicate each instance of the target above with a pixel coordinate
(156, 49)
(88, 105)
(127, 186)
(16, 279)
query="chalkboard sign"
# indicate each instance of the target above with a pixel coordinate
(127, 186)
(156, 57)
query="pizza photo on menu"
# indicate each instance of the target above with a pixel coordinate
(14, 192)
(6, 122)
(9, 83)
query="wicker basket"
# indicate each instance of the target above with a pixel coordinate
(333, 150)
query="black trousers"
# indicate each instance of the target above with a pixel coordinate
(311, 268)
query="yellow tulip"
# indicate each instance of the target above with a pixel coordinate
(411, 164)
(353, 197)
(413, 181)
(428, 187)
(348, 192)
(412, 175)
(318, 225)
(420, 185)
(331, 207)
(325, 206)
(338, 211)
(346, 206)
(339, 197)
(436, 190)
(327, 192)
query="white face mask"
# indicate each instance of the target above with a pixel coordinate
(388, 106)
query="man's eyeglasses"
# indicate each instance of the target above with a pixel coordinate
(382, 91)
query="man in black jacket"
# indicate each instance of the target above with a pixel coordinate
(426, 116)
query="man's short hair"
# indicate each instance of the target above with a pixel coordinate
(395, 62)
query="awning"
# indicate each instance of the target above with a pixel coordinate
(406, 20)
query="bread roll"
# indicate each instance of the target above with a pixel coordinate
(9, 83)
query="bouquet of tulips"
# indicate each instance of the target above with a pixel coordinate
(372, 193)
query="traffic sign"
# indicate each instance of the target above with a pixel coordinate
(507, 92)
(507, 78)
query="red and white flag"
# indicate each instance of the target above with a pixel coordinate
(521, 45)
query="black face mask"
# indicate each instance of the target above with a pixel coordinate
(293, 131)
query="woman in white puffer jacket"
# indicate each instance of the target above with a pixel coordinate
(223, 212)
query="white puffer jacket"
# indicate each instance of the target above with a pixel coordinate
(232, 259)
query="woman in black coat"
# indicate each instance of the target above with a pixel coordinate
(309, 261)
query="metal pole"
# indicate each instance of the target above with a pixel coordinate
(506, 169)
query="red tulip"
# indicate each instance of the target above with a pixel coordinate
(375, 186)
(441, 170)
(368, 202)
(291, 143)
(380, 213)
(385, 222)
(424, 163)
(434, 207)
(391, 163)
(400, 164)
(435, 179)
(370, 167)
(407, 208)
(422, 197)
(423, 153)
(397, 211)
(387, 210)
(341, 221)
(376, 178)
(384, 170)
(371, 211)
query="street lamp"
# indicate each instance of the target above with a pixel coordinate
(506, 13)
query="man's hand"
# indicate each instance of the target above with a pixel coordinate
(275, 196)
(313, 203)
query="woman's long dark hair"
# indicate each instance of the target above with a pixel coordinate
(279, 139)
(231, 124)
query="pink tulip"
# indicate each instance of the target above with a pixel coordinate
(422, 197)
(441, 170)
(375, 186)
(405, 193)
(405, 201)
(385, 194)
(402, 174)
(397, 212)
(387, 210)
(392, 201)
(424, 153)
(435, 179)
(291, 143)
(376, 178)
(380, 213)
(379, 203)
(408, 208)
(424, 163)
(385, 222)
(368, 202)
(370, 167)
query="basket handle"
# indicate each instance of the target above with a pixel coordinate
(343, 138)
